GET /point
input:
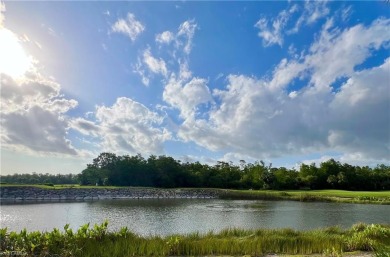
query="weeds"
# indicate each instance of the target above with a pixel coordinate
(98, 241)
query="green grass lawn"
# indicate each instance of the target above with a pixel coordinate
(326, 192)
(343, 193)
(377, 197)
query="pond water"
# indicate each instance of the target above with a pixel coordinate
(170, 216)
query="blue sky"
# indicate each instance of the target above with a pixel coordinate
(283, 82)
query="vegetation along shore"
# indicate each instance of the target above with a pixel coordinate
(109, 169)
(99, 241)
(20, 193)
(112, 176)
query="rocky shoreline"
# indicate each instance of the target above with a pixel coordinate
(31, 194)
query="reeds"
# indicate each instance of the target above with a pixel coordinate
(98, 241)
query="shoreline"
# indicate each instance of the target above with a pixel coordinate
(38, 194)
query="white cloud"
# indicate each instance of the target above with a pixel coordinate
(187, 30)
(126, 127)
(349, 47)
(261, 119)
(148, 65)
(155, 65)
(181, 49)
(2, 11)
(313, 11)
(138, 68)
(85, 127)
(271, 31)
(33, 111)
(346, 13)
(361, 114)
(130, 27)
(186, 96)
(33, 116)
(165, 38)
(184, 72)
(182, 39)
(293, 94)
(285, 72)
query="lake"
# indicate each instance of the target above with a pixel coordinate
(169, 216)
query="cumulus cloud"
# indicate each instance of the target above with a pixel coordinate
(130, 26)
(33, 116)
(349, 47)
(33, 111)
(125, 127)
(361, 114)
(187, 96)
(261, 118)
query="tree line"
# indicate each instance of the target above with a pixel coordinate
(40, 178)
(109, 169)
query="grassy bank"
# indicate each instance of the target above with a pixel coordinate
(376, 197)
(97, 241)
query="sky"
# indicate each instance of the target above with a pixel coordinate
(283, 82)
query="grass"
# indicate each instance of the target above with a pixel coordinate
(378, 197)
(98, 241)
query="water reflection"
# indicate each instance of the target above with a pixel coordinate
(169, 216)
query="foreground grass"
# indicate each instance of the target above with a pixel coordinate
(97, 241)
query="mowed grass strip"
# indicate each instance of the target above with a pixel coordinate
(376, 197)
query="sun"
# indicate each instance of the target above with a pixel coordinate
(13, 59)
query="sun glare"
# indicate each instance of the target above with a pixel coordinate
(13, 59)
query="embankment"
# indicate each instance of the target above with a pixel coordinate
(31, 193)
(18, 193)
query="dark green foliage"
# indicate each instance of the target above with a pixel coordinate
(39, 178)
(98, 241)
(109, 169)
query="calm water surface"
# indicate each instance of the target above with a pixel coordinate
(169, 216)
